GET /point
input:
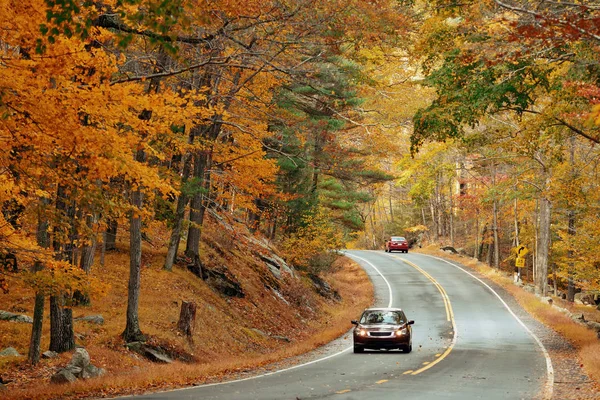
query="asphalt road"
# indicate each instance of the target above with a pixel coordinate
(467, 344)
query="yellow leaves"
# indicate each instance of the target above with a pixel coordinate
(595, 115)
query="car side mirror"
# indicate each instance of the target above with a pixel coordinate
(411, 322)
(354, 322)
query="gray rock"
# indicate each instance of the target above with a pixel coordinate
(9, 352)
(585, 298)
(91, 371)
(73, 369)
(282, 338)
(261, 333)
(93, 319)
(156, 355)
(49, 354)
(579, 317)
(594, 325)
(80, 359)
(8, 316)
(63, 376)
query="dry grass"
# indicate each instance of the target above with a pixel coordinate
(583, 339)
(225, 338)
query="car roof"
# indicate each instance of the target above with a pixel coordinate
(383, 309)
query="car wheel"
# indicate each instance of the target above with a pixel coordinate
(408, 348)
(386, 250)
(358, 349)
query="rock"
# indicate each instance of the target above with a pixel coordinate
(261, 333)
(529, 288)
(547, 300)
(585, 298)
(594, 325)
(93, 319)
(282, 338)
(73, 369)
(323, 288)
(92, 371)
(135, 346)
(449, 249)
(578, 317)
(49, 354)
(156, 355)
(222, 282)
(63, 376)
(8, 316)
(9, 352)
(80, 359)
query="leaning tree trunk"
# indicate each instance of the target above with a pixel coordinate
(543, 247)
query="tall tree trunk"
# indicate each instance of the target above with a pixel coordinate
(571, 281)
(62, 337)
(132, 331)
(495, 231)
(571, 228)
(202, 162)
(182, 203)
(61, 319)
(110, 236)
(43, 240)
(541, 267)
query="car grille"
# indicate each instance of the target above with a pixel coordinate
(380, 334)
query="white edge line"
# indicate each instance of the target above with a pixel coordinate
(280, 370)
(550, 371)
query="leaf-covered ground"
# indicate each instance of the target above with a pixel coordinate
(231, 334)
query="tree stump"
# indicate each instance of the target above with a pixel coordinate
(187, 318)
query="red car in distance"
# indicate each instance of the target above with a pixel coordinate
(396, 243)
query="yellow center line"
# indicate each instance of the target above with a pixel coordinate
(449, 317)
(407, 372)
(343, 391)
(381, 381)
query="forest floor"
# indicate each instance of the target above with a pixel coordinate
(573, 348)
(278, 318)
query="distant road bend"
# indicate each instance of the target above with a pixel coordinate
(467, 344)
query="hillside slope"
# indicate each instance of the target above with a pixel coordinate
(251, 310)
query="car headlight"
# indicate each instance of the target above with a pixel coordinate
(402, 332)
(361, 332)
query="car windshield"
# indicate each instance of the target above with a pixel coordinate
(382, 317)
(397, 239)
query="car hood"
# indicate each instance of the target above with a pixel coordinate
(381, 327)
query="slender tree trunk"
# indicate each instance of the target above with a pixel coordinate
(495, 231)
(182, 202)
(390, 201)
(571, 228)
(132, 331)
(43, 240)
(541, 268)
(571, 281)
(476, 252)
(61, 319)
(201, 165)
(481, 244)
(110, 236)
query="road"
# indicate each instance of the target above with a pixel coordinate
(467, 344)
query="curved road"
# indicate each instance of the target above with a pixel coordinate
(467, 344)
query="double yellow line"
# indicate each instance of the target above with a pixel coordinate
(449, 317)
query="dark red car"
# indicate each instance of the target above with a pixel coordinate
(383, 328)
(396, 243)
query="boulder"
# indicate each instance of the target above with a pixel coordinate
(80, 359)
(223, 282)
(594, 325)
(92, 371)
(585, 298)
(449, 249)
(93, 319)
(8, 316)
(63, 376)
(9, 352)
(49, 354)
(547, 300)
